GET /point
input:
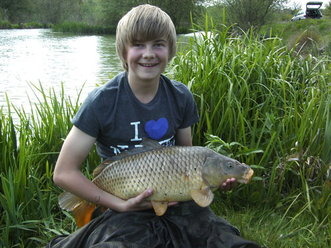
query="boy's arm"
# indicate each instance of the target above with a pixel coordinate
(67, 175)
(184, 137)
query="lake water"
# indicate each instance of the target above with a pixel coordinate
(51, 58)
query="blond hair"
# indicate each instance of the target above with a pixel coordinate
(144, 23)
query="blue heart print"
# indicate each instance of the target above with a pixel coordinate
(156, 129)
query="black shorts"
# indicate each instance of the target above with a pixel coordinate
(183, 226)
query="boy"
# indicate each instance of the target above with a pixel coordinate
(138, 103)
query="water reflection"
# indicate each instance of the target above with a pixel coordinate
(52, 58)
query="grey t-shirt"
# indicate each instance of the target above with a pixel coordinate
(119, 121)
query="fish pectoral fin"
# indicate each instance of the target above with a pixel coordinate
(202, 197)
(159, 207)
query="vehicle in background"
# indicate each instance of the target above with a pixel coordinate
(312, 11)
(299, 16)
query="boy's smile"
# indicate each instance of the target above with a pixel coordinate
(146, 60)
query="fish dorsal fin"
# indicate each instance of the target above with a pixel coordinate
(100, 168)
(159, 207)
(203, 197)
(150, 144)
(146, 145)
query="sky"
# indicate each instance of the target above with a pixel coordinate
(302, 3)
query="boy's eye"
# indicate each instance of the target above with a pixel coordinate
(137, 44)
(159, 44)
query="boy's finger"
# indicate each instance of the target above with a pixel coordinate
(229, 184)
(172, 203)
(145, 194)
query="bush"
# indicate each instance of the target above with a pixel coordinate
(310, 30)
(82, 28)
(4, 25)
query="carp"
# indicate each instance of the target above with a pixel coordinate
(175, 173)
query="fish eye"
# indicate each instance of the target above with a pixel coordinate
(230, 165)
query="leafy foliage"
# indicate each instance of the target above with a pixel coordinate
(92, 12)
(248, 14)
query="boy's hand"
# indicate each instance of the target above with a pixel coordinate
(141, 203)
(229, 184)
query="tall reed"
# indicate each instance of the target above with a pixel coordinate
(29, 144)
(257, 93)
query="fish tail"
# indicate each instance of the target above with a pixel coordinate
(83, 213)
(82, 210)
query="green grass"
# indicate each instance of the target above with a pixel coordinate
(27, 25)
(314, 32)
(259, 102)
(29, 149)
(82, 28)
(272, 228)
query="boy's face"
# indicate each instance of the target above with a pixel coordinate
(146, 60)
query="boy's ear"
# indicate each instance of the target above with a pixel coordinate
(124, 55)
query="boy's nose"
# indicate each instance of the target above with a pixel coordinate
(149, 53)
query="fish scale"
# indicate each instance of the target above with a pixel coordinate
(128, 177)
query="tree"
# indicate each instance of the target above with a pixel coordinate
(16, 10)
(250, 13)
(295, 7)
(46, 11)
(57, 11)
(327, 10)
(179, 11)
(95, 12)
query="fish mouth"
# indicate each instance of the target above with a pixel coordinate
(247, 176)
